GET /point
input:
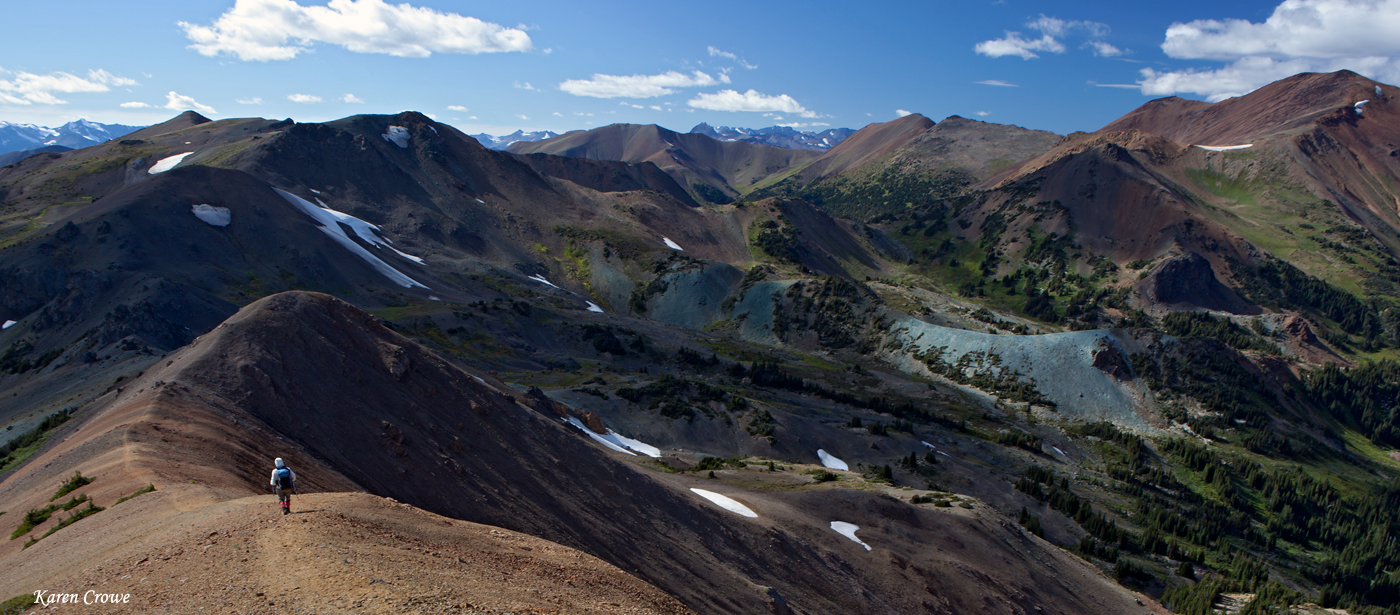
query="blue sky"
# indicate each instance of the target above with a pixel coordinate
(498, 66)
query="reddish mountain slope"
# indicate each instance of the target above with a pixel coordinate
(354, 405)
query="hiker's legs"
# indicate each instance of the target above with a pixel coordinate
(284, 496)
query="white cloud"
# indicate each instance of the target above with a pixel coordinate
(638, 86)
(249, 101)
(804, 124)
(902, 112)
(998, 83)
(1104, 50)
(1060, 27)
(457, 108)
(136, 105)
(557, 114)
(1124, 86)
(1051, 30)
(1014, 45)
(351, 98)
(525, 86)
(523, 116)
(263, 30)
(716, 53)
(1299, 36)
(730, 100)
(180, 102)
(29, 88)
(983, 113)
(304, 99)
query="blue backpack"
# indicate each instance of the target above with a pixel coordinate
(284, 478)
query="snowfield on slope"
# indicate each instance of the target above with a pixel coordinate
(618, 442)
(215, 216)
(726, 502)
(165, 164)
(330, 221)
(831, 461)
(849, 531)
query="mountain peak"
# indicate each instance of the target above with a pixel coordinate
(1285, 104)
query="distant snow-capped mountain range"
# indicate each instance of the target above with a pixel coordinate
(73, 135)
(779, 136)
(503, 142)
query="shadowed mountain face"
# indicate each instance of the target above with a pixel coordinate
(353, 401)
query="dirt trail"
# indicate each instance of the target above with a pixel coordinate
(337, 552)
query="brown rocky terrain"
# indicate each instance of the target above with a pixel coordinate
(352, 405)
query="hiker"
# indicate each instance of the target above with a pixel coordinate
(284, 480)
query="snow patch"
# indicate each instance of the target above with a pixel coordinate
(433, 129)
(849, 531)
(943, 454)
(832, 462)
(1359, 106)
(8, 324)
(314, 191)
(1225, 148)
(618, 442)
(539, 278)
(1057, 450)
(726, 503)
(1378, 92)
(671, 244)
(398, 135)
(481, 201)
(593, 307)
(433, 298)
(165, 164)
(927, 444)
(215, 216)
(331, 221)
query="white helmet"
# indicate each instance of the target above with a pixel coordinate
(280, 463)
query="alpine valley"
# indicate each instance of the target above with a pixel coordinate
(922, 367)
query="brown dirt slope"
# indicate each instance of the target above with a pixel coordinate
(352, 404)
(866, 146)
(1298, 101)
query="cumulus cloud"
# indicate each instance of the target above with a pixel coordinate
(1015, 45)
(1051, 30)
(29, 88)
(730, 100)
(1299, 36)
(304, 99)
(1104, 50)
(639, 86)
(716, 53)
(999, 83)
(351, 98)
(457, 108)
(264, 30)
(180, 102)
(254, 100)
(902, 112)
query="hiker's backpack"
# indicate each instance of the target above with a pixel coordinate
(284, 478)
